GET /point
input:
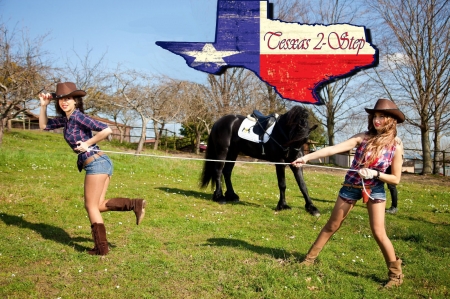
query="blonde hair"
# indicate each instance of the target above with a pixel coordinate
(377, 141)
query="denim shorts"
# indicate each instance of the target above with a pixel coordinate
(351, 193)
(100, 165)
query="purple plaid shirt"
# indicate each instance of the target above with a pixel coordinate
(383, 162)
(78, 127)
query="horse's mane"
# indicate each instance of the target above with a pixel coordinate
(296, 115)
(297, 124)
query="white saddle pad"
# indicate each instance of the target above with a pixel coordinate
(246, 131)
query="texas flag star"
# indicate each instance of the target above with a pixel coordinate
(209, 54)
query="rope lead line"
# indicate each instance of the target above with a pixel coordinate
(212, 160)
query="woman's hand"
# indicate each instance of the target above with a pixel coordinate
(45, 98)
(82, 147)
(367, 173)
(299, 162)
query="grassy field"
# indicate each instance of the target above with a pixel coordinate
(191, 247)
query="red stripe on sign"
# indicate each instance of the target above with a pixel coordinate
(295, 76)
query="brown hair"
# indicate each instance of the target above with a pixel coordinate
(78, 105)
(377, 141)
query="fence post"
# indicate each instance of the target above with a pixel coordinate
(443, 163)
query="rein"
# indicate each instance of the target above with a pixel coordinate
(270, 135)
(286, 150)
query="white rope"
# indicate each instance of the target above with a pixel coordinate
(195, 159)
(244, 162)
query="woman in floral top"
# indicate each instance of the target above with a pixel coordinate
(376, 150)
(78, 129)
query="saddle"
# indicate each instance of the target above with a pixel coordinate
(263, 122)
(262, 125)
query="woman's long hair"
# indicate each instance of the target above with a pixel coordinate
(377, 141)
(78, 105)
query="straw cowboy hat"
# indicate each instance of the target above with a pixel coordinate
(388, 107)
(67, 89)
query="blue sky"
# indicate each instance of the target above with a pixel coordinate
(125, 30)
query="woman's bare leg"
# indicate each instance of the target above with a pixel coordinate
(95, 187)
(340, 211)
(376, 218)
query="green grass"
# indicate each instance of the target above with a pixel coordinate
(190, 247)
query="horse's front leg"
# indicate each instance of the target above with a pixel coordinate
(309, 206)
(281, 176)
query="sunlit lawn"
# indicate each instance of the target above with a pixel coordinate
(191, 247)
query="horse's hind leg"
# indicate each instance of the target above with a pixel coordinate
(218, 193)
(230, 195)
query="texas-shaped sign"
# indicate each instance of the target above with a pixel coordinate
(296, 59)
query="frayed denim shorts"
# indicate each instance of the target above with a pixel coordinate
(349, 193)
(100, 165)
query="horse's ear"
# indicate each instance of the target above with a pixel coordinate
(313, 128)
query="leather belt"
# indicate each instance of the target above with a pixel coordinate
(355, 186)
(92, 158)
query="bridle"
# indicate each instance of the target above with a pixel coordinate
(286, 150)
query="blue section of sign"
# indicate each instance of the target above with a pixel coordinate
(237, 40)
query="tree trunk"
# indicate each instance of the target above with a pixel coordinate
(2, 126)
(426, 151)
(272, 97)
(197, 141)
(437, 152)
(143, 135)
(330, 136)
(122, 133)
(155, 130)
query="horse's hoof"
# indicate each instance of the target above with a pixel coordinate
(283, 207)
(220, 199)
(232, 197)
(312, 210)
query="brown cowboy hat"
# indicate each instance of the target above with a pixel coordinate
(388, 107)
(67, 89)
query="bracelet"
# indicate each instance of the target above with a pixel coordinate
(378, 175)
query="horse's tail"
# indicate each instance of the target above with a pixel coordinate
(208, 166)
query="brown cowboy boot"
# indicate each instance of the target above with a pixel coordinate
(311, 256)
(101, 243)
(395, 273)
(125, 204)
(93, 251)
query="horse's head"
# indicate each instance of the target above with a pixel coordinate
(298, 131)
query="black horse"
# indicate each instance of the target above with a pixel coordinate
(290, 133)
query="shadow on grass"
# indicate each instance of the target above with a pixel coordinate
(275, 252)
(422, 219)
(188, 193)
(373, 277)
(203, 196)
(47, 231)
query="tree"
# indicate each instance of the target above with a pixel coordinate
(23, 73)
(88, 74)
(153, 98)
(115, 107)
(417, 56)
(197, 116)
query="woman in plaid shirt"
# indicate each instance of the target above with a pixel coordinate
(78, 129)
(376, 150)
